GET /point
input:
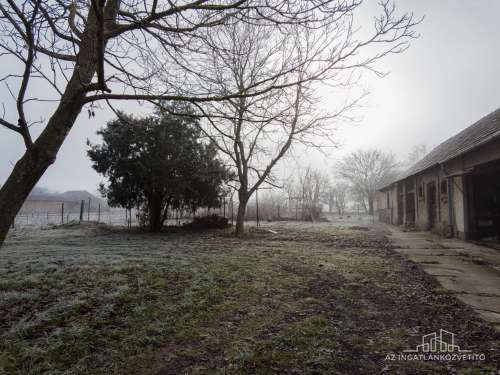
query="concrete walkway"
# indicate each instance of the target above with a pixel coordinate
(472, 272)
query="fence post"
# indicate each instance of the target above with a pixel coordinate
(62, 213)
(82, 204)
(99, 213)
(232, 210)
(88, 212)
(257, 205)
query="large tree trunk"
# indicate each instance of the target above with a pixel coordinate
(240, 217)
(35, 161)
(370, 205)
(31, 167)
(156, 214)
(26, 173)
(155, 221)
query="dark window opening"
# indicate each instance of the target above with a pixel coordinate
(444, 187)
(421, 192)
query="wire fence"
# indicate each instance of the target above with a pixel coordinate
(49, 213)
(39, 213)
(42, 219)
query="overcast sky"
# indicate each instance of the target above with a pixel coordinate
(448, 79)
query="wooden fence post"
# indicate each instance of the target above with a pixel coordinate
(62, 213)
(82, 205)
(232, 210)
(257, 205)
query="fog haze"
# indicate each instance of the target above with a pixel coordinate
(448, 79)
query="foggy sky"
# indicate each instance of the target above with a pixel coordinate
(448, 79)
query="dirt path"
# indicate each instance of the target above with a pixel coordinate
(470, 271)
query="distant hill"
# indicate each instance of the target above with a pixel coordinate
(78, 195)
(42, 200)
(42, 194)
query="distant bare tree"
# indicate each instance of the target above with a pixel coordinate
(291, 194)
(272, 203)
(313, 184)
(106, 50)
(358, 196)
(335, 196)
(416, 153)
(368, 171)
(339, 193)
(329, 198)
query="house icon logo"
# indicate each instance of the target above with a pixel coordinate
(437, 346)
(438, 342)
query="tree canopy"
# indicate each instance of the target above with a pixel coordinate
(156, 163)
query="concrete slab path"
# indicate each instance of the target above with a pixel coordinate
(470, 271)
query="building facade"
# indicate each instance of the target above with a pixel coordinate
(454, 190)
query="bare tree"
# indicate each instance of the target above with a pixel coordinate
(340, 195)
(106, 50)
(359, 197)
(335, 196)
(256, 132)
(367, 171)
(313, 185)
(290, 195)
(329, 197)
(272, 203)
(416, 153)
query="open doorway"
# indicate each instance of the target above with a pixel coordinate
(410, 209)
(400, 204)
(431, 205)
(483, 187)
